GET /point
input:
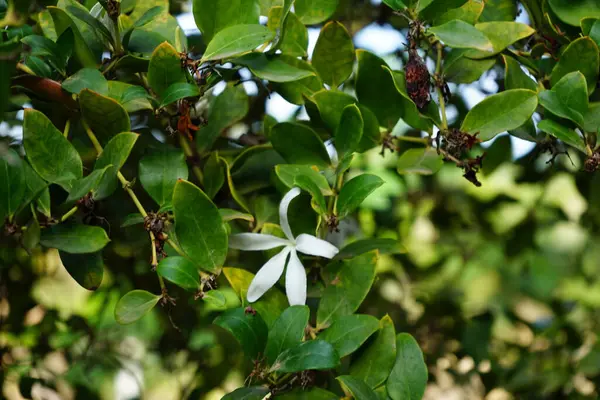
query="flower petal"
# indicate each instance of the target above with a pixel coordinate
(333, 154)
(308, 244)
(283, 209)
(267, 276)
(255, 241)
(295, 281)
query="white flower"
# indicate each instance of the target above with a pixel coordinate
(269, 274)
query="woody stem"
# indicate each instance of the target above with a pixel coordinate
(438, 74)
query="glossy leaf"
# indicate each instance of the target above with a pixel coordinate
(214, 176)
(165, 69)
(299, 144)
(105, 116)
(314, 393)
(269, 306)
(502, 34)
(355, 191)
(461, 35)
(568, 97)
(580, 55)
(160, 171)
(75, 239)
(86, 269)
(134, 305)
(500, 112)
(288, 173)
(295, 35)
(347, 333)
(180, 271)
(375, 363)
(397, 5)
(383, 246)
(515, 77)
(333, 56)
(236, 40)
(348, 283)
(199, 227)
(567, 135)
(273, 68)
(249, 330)
(573, 12)
(420, 161)
(230, 215)
(178, 91)
(357, 388)
(315, 11)
(310, 355)
(350, 130)
(212, 16)
(247, 393)
(228, 108)
(86, 78)
(12, 184)
(408, 378)
(88, 184)
(115, 153)
(286, 332)
(51, 155)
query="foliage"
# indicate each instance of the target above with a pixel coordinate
(418, 253)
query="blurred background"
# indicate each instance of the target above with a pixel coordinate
(498, 284)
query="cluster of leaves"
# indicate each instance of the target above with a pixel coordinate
(110, 88)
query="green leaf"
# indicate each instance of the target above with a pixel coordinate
(308, 394)
(461, 69)
(146, 18)
(75, 239)
(133, 98)
(348, 283)
(468, 12)
(51, 155)
(357, 388)
(180, 271)
(220, 300)
(375, 363)
(580, 55)
(572, 12)
(499, 10)
(311, 355)
(299, 144)
(165, 69)
(347, 333)
(273, 68)
(383, 246)
(236, 40)
(296, 91)
(86, 269)
(288, 173)
(295, 35)
(461, 35)
(85, 185)
(331, 104)
(34, 185)
(230, 215)
(350, 130)
(306, 183)
(159, 172)
(315, 11)
(420, 161)
(212, 16)
(287, 331)
(132, 219)
(270, 305)
(500, 112)
(105, 116)
(199, 226)
(134, 305)
(115, 153)
(178, 91)
(568, 97)
(228, 108)
(408, 378)
(214, 177)
(376, 90)
(249, 329)
(355, 191)
(567, 135)
(592, 118)
(502, 34)
(85, 41)
(247, 393)
(12, 184)
(514, 77)
(86, 78)
(333, 56)
(94, 24)
(396, 5)
(594, 33)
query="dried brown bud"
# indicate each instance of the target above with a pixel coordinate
(417, 79)
(456, 142)
(592, 163)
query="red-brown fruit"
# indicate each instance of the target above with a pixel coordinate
(417, 79)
